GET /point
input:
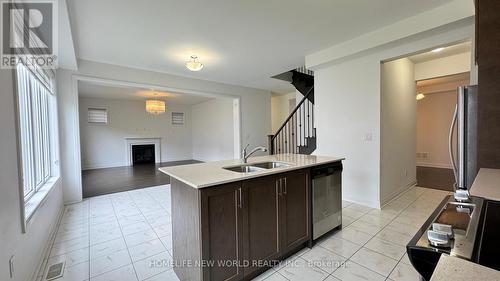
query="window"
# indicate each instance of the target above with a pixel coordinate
(178, 118)
(35, 101)
(98, 115)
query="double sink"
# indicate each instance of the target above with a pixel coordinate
(255, 167)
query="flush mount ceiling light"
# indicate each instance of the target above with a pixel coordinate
(437, 50)
(194, 64)
(420, 96)
(155, 107)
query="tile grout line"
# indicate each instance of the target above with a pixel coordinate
(405, 246)
(362, 246)
(156, 234)
(123, 236)
(52, 239)
(328, 274)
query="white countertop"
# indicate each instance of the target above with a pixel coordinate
(212, 173)
(453, 268)
(487, 184)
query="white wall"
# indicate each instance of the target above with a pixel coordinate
(434, 115)
(280, 109)
(347, 100)
(28, 247)
(454, 64)
(255, 106)
(398, 128)
(347, 122)
(104, 145)
(213, 132)
(69, 133)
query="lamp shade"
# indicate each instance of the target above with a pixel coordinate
(155, 106)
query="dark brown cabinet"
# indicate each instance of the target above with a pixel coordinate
(294, 209)
(275, 217)
(221, 232)
(488, 60)
(241, 227)
(261, 231)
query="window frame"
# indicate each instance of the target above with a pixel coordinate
(37, 142)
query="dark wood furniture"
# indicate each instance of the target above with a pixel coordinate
(488, 60)
(239, 229)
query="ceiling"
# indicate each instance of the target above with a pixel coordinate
(240, 42)
(93, 90)
(448, 51)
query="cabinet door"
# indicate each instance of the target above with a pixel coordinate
(260, 221)
(295, 225)
(221, 232)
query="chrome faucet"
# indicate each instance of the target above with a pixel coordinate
(244, 155)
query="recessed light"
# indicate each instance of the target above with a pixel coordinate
(437, 50)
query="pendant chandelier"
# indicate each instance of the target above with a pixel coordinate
(155, 107)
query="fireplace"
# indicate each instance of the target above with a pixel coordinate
(143, 154)
(130, 142)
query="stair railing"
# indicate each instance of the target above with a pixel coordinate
(297, 128)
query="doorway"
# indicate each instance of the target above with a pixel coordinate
(418, 98)
(435, 109)
(123, 141)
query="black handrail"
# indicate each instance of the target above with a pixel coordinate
(283, 142)
(293, 112)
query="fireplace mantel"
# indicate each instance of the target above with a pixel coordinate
(130, 141)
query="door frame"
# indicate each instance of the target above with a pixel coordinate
(74, 147)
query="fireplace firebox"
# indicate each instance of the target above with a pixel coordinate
(143, 154)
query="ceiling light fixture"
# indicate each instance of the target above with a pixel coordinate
(194, 64)
(420, 96)
(155, 107)
(437, 50)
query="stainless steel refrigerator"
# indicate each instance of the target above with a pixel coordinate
(464, 154)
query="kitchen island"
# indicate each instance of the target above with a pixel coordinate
(232, 221)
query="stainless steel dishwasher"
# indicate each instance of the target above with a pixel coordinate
(327, 199)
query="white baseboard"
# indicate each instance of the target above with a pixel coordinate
(394, 195)
(40, 269)
(103, 166)
(115, 165)
(435, 165)
(364, 203)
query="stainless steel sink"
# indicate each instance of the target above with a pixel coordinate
(244, 169)
(271, 165)
(255, 167)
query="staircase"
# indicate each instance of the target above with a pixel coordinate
(297, 134)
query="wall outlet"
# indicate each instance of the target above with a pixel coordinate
(368, 137)
(422, 155)
(11, 267)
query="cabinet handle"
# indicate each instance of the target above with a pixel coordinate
(240, 205)
(284, 189)
(278, 187)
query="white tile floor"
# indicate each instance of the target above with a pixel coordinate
(118, 236)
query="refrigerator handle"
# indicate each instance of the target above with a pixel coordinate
(450, 145)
